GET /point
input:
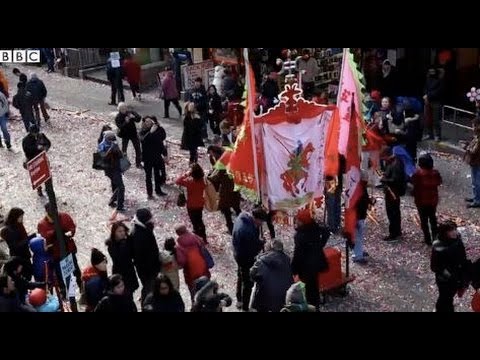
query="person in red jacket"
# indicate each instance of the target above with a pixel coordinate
(133, 72)
(47, 230)
(426, 181)
(194, 181)
(190, 257)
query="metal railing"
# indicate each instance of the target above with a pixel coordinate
(457, 123)
(81, 58)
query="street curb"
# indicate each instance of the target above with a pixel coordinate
(443, 147)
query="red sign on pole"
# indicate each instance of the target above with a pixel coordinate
(39, 170)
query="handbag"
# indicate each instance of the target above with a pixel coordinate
(98, 161)
(124, 164)
(181, 199)
(211, 197)
(207, 256)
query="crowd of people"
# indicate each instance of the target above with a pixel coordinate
(268, 280)
(29, 101)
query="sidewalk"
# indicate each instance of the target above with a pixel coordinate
(94, 97)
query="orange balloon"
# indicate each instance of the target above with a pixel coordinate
(37, 297)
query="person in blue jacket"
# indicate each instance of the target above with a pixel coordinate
(95, 279)
(43, 302)
(40, 258)
(246, 246)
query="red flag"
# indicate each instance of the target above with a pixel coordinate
(353, 190)
(331, 146)
(242, 163)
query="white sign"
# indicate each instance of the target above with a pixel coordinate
(115, 59)
(191, 72)
(72, 288)
(115, 55)
(67, 267)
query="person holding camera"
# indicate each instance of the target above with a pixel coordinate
(112, 156)
(127, 131)
(152, 137)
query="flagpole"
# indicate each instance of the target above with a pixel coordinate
(250, 103)
(344, 58)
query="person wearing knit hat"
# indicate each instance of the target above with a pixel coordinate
(112, 156)
(98, 259)
(144, 215)
(295, 300)
(308, 256)
(272, 274)
(146, 255)
(94, 279)
(109, 135)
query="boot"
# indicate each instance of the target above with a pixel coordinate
(40, 192)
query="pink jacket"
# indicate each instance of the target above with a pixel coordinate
(169, 87)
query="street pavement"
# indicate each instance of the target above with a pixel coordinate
(397, 277)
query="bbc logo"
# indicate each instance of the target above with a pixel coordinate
(19, 56)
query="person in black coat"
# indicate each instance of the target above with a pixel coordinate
(214, 152)
(308, 257)
(23, 101)
(434, 97)
(127, 131)
(198, 95)
(33, 144)
(112, 156)
(37, 88)
(152, 137)
(246, 246)
(272, 275)
(389, 85)
(215, 109)
(17, 239)
(270, 90)
(146, 255)
(115, 77)
(450, 264)
(192, 131)
(116, 300)
(163, 298)
(120, 249)
(9, 297)
(394, 183)
(14, 269)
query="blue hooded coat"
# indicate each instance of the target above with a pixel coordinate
(40, 256)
